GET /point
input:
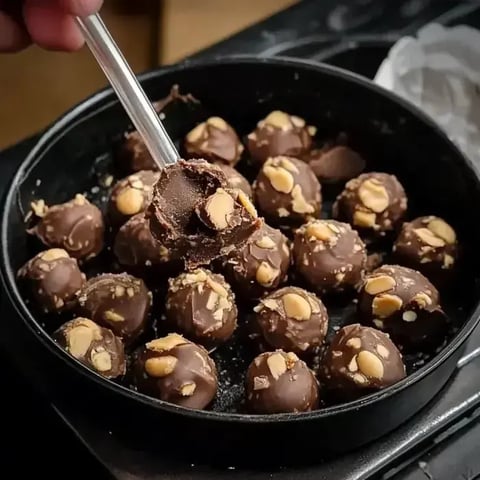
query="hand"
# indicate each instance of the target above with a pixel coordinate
(47, 23)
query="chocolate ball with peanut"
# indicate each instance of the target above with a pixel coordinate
(53, 280)
(235, 180)
(360, 360)
(279, 382)
(280, 133)
(428, 244)
(137, 250)
(403, 303)
(195, 216)
(131, 196)
(96, 347)
(214, 140)
(329, 255)
(287, 192)
(291, 319)
(176, 370)
(117, 301)
(261, 265)
(373, 203)
(77, 226)
(201, 305)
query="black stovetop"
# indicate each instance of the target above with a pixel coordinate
(441, 442)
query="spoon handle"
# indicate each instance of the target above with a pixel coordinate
(128, 90)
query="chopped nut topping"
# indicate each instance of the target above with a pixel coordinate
(166, 343)
(364, 219)
(280, 179)
(265, 242)
(197, 133)
(218, 122)
(320, 231)
(354, 342)
(102, 360)
(374, 195)
(111, 316)
(279, 119)
(382, 351)
(443, 230)
(380, 284)
(53, 254)
(370, 365)
(261, 383)
(384, 305)
(409, 316)
(219, 208)
(160, 366)
(422, 299)
(429, 237)
(296, 306)
(266, 274)
(299, 204)
(129, 201)
(188, 389)
(277, 365)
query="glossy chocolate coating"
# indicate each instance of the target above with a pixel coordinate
(280, 134)
(176, 370)
(335, 164)
(201, 305)
(214, 140)
(278, 382)
(135, 247)
(287, 192)
(261, 265)
(76, 226)
(236, 180)
(329, 255)
(96, 347)
(291, 319)
(195, 216)
(131, 196)
(428, 244)
(403, 303)
(120, 302)
(360, 360)
(53, 279)
(373, 203)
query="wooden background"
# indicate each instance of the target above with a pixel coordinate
(37, 86)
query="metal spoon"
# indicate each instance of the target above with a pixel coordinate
(128, 90)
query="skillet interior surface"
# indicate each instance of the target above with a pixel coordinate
(78, 151)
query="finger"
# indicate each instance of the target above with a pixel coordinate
(80, 8)
(51, 28)
(13, 37)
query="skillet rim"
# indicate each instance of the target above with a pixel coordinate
(103, 98)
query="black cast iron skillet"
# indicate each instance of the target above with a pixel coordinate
(390, 133)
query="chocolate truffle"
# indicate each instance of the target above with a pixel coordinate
(133, 155)
(131, 195)
(360, 360)
(373, 203)
(120, 302)
(259, 266)
(76, 226)
(195, 216)
(280, 134)
(403, 303)
(278, 382)
(96, 347)
(329, 255)
(201, 305)
(135, 247)
(236, 180)
(176, 370)
(335, 164)
(291, 319)
(214, 140)
(54, 279)
(429, 245)
(287, 192)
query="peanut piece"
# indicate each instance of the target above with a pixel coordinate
(79, 339)
(196, 133)
(320, 231)
(246, 204)
(279, 119)
(188, 389)
(299, 204)
(218, 122)
(443, 230)
(296, 307)
(277, 365)
(380, 284)
(428, 237)
(166, 343)
(385, 305)
(266, 274)
(364, 219)
(129, 201)
(265, 242)
(370, 365)
(280, 179)
(374, 195)
(219, 209)
(54, 254)
(160, 367)
(102, 361)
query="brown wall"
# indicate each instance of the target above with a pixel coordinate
(36, 86)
